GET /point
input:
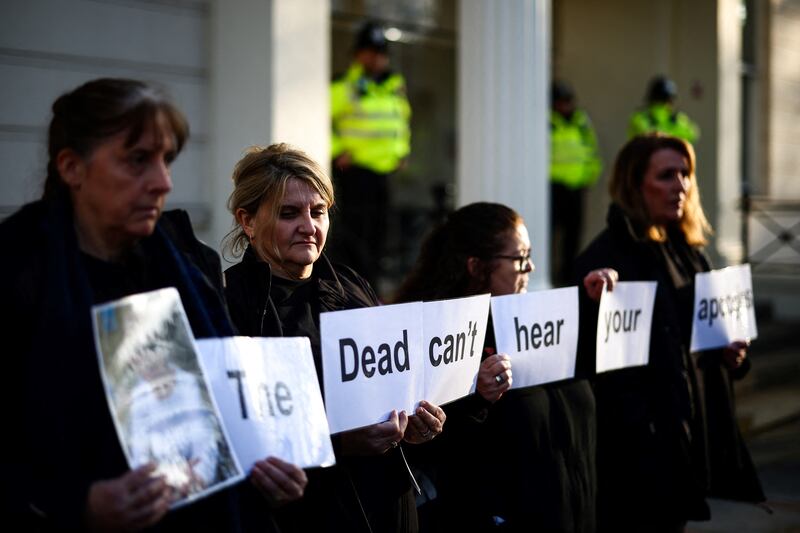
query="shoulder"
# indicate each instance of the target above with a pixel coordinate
(345, 288)
(23, 236)
(178, 227)
(23, 223)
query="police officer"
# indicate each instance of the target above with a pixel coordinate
(660, 113)
(370, 140)
(574, 166)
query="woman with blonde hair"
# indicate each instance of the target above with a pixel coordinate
(280, 202)
(666, 432)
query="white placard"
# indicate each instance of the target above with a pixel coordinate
(723, 308)
(453, 335)
(623, 325)
(372, 359)
(158, 394)
(269, 397)
(539, 331)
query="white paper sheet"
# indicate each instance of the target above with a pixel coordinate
(539, 331)
(269, 397)
(372, 363)
(453, 335)
(723, 308)
(624, 324)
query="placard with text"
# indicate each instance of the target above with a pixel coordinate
(723, 308)
(539, 331)
(372, 363)
(269, 397)
(453, 335)
(623, 325)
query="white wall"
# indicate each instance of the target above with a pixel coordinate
(269, 83)
(48, 47)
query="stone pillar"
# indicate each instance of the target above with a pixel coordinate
(270, 70)
(503, 91)
(729, 122)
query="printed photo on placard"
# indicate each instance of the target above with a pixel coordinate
(158, 396)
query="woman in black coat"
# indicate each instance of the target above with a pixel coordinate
(280, 202)
(97, 234)
(666, 431)
(518, 460)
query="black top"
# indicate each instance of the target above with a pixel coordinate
(64, 438)
(664, 427)
(337, 498)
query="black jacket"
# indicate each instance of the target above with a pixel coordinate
(59, 434)
(381, 483)
(547, 435)
(666, 431)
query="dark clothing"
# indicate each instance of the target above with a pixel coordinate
(335, 496)
(547, 436)
(667, 429)
(528, 460)
(361, 219)
(61, 435)
(566, 213)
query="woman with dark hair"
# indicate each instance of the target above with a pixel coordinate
(545, 434)
(667, 429)
(98, 234)
(280, 203)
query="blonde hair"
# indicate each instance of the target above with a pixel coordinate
(625, 187)
(260, 178)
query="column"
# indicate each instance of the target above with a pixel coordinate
(503, 106)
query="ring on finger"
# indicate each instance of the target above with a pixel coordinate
(499, 379)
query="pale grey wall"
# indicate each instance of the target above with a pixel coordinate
(48, 47)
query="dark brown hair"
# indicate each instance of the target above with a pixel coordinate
(99, 109)
(476, 230)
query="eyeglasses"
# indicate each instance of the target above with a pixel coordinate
(522, 262)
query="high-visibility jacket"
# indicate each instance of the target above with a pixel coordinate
(370, 120)
(574, 161)
(661, 117)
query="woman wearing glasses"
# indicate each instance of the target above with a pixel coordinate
(545, 434)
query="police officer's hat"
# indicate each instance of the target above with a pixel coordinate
(371, 36)
(661, 89)
(561, 91)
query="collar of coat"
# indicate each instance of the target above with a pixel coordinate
(332, 295)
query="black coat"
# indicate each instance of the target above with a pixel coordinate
(547, 435)
(335, 496)
(59, 436)
(666, 431)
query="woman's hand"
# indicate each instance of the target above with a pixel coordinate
(734, 354)
(494, 377)
(594, 281)
(377, 438)
(280, 482)
(130, 502)
(425, 424)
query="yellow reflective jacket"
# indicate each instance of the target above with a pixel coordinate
(662, 118)
(370, 120)
(574, 161)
